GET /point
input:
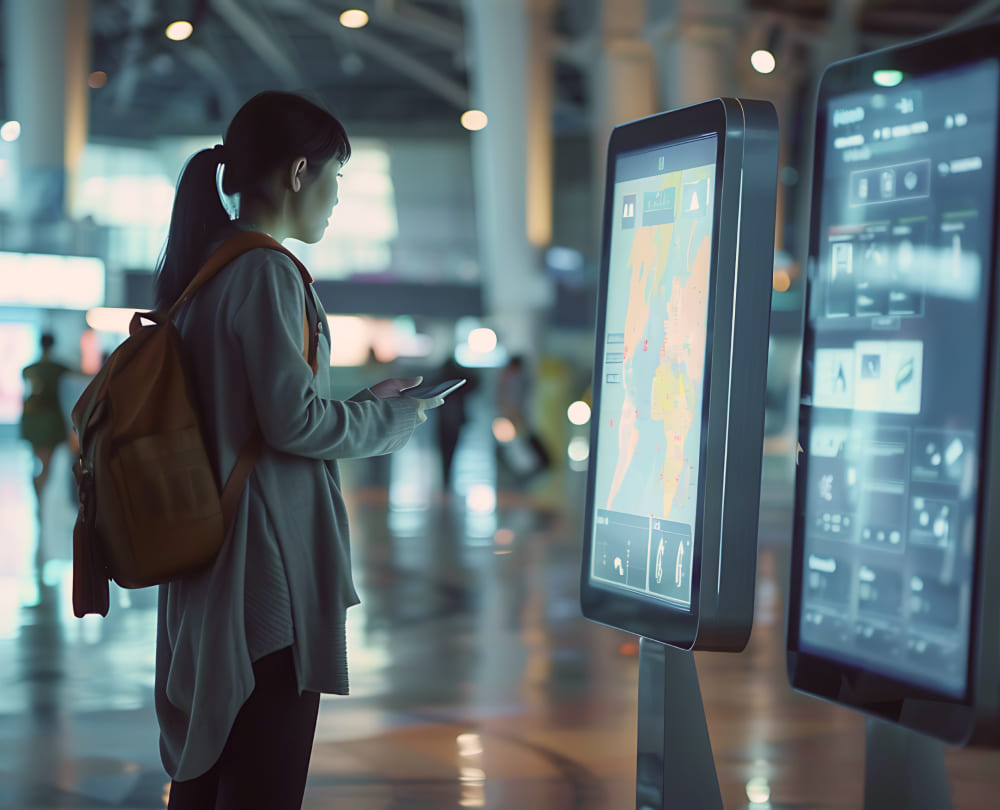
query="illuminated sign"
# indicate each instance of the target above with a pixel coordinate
(51, 282)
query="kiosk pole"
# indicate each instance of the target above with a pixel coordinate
(903, 769)
(674, 764)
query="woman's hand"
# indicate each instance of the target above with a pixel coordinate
(398, 386)
(427, 405)
(394, 387)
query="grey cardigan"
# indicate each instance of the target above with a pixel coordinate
(284, 573)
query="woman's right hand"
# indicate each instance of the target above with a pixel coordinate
(397, 386)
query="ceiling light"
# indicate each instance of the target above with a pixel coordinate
(97, 79)
(181, 29)
(354, 18)
(762, 61)
(10, 131)
(474, 120)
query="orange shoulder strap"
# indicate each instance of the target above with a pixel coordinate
(223, 255)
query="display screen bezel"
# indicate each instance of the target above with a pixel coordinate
(834, 678)
(624, 608)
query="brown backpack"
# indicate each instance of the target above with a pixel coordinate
(150, 505)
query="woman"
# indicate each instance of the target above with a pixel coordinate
(245, 648)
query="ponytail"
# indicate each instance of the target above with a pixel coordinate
(197, 216)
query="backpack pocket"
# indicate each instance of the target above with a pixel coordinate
(168, 505)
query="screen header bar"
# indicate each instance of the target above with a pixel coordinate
(670, 157)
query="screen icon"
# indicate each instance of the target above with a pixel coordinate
(695, 200)
(887, 184)
(628, 211)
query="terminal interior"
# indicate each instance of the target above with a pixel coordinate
(461, 241)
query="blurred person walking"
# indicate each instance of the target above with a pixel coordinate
(522, 453)
(452, 416)
(43, 423)
(245, 647)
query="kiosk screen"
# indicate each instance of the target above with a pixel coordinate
(894, 361)
(649, 418)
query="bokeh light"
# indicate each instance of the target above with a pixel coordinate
(482, 340)
(578, 449)
(503, 537)
(762, 61)
(481, 498)
(474, 120)
(578, 413)
(503, 430)
(179, 30)
(758, 791)
(10, 131)
(354, 18)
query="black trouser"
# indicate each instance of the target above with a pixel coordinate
(266, 758)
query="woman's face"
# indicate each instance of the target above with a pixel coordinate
(313, 205)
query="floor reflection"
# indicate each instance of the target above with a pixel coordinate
(475, 682)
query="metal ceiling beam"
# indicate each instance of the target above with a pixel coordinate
(432, 79)
(406, 18)
(206, 65)
(126, 81)
(260, 40)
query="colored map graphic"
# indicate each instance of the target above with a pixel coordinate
(650, 432)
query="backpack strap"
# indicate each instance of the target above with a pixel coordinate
(231, 249)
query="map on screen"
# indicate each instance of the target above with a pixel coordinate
(650, 409)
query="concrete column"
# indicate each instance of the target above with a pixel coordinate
(47, 60)
(696, 52)
(511, 81)
(623, 81)
(540, 102)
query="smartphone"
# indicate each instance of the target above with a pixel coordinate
(433, 390)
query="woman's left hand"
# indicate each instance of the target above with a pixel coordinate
(394, 387)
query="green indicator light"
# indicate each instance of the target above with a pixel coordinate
(887, 78)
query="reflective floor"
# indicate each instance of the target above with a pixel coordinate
(475, 681)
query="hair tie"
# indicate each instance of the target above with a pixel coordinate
(219, 151)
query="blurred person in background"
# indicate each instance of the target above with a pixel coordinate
(524, 455)
(514, 393)
(246, 646)
(452, 416)
(43, 424)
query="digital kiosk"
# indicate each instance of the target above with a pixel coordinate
(894, 599)
(673, 488)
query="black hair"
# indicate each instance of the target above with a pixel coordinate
(48, 341)
(271, 128)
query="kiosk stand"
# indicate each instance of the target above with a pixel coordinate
(679, 388)
(674, 761)
(675, 767)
